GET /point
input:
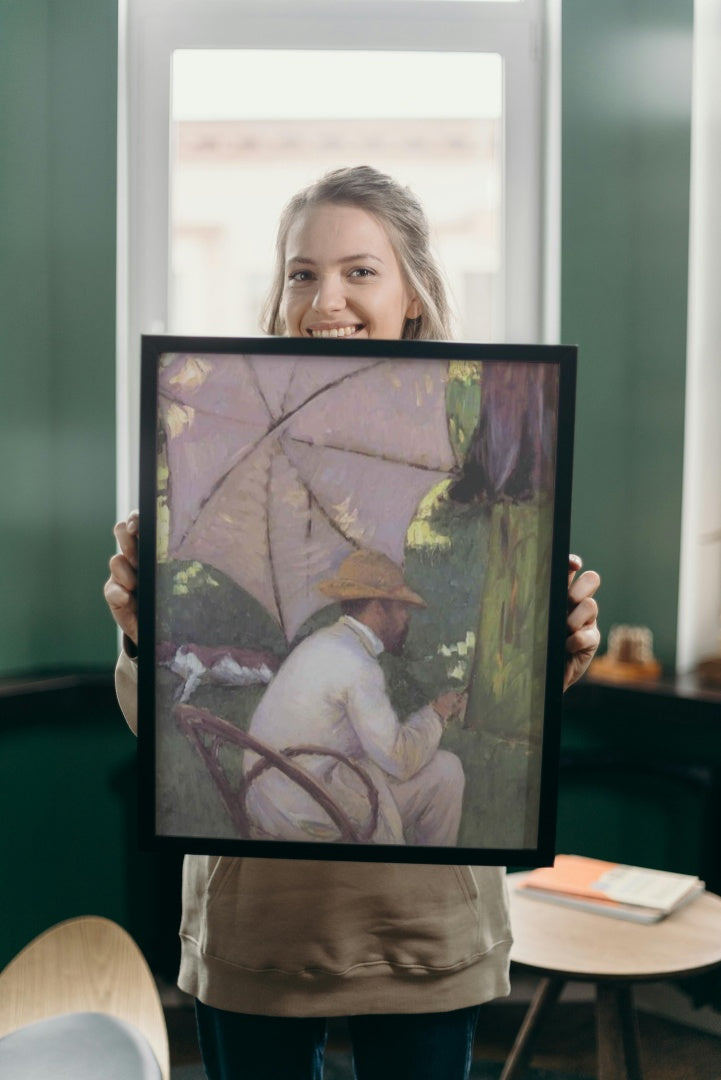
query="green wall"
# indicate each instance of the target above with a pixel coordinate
(626, 146)
(58, 72)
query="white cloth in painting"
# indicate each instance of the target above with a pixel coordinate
(331, 692)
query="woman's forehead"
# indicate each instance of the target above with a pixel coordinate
(336, 230)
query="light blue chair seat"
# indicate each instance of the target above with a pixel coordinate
(78, 1046)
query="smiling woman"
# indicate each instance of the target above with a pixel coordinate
(353, 259)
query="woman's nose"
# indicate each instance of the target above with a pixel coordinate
(329, 296)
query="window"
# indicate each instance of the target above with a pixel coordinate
(227, 107)
(235, 161)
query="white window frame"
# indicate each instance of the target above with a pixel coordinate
(699, 597)
(526, 34)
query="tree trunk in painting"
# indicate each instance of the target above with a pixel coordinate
(509, 465)
(508, 680)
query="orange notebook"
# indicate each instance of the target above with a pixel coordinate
(631, 892)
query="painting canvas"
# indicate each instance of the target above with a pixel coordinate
(353, 568)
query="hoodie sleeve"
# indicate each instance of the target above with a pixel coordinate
(126, 688)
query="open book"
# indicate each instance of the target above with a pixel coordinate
(608, 888)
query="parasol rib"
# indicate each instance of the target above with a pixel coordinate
(313, 501)
(271, 561)
(374, 456)
(260, 390)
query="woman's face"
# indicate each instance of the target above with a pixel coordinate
(342, 277)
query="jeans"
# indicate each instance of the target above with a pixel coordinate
(415, 1046)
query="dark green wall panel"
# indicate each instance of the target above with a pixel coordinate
(25, 401)
(58, 76)
(626, 146)
(69, 802)
(62, 788)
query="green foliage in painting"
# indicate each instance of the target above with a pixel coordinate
(463, 402)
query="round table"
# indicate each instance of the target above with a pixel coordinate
(562, 944)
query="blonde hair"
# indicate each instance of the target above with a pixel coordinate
(403, 217)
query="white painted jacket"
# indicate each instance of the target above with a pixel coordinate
(331, 692)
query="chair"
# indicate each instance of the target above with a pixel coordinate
(209, 733)
(80, 1002)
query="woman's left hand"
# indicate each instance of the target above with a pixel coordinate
(583, 635)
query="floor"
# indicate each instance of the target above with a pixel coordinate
(669, 1051)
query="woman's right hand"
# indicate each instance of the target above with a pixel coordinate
(121, 587)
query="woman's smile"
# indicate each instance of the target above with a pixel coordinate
(335, 331)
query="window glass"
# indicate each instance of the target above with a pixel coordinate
(251, 127)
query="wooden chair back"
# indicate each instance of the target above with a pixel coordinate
(87, 964)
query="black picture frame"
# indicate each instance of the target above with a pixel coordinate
(240, 453)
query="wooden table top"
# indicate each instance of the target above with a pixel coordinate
(560, 940)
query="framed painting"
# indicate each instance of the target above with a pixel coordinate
(352, 597)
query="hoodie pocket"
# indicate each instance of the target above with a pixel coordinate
(468, 884)
(333, 917)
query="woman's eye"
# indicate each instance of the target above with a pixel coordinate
(362, 272)
(300, 276)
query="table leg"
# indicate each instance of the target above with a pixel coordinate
(545, 997)
(617, 1033)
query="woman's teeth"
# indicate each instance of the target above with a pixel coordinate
(337, 331)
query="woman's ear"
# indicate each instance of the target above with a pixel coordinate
(415, 309)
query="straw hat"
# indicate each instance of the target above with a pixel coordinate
(368, 575)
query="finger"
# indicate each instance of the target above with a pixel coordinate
(585, 585)
(575, 562)
(583, 641)
(122, 572)
(121, 603)
(583, 614)
(126, 534)
(123, 608)
(118, 598)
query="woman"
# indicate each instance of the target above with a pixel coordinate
(271, 948)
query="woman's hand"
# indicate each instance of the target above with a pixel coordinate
(583, 635)
(121, 587)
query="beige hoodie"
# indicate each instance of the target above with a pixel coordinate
(286, 937)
